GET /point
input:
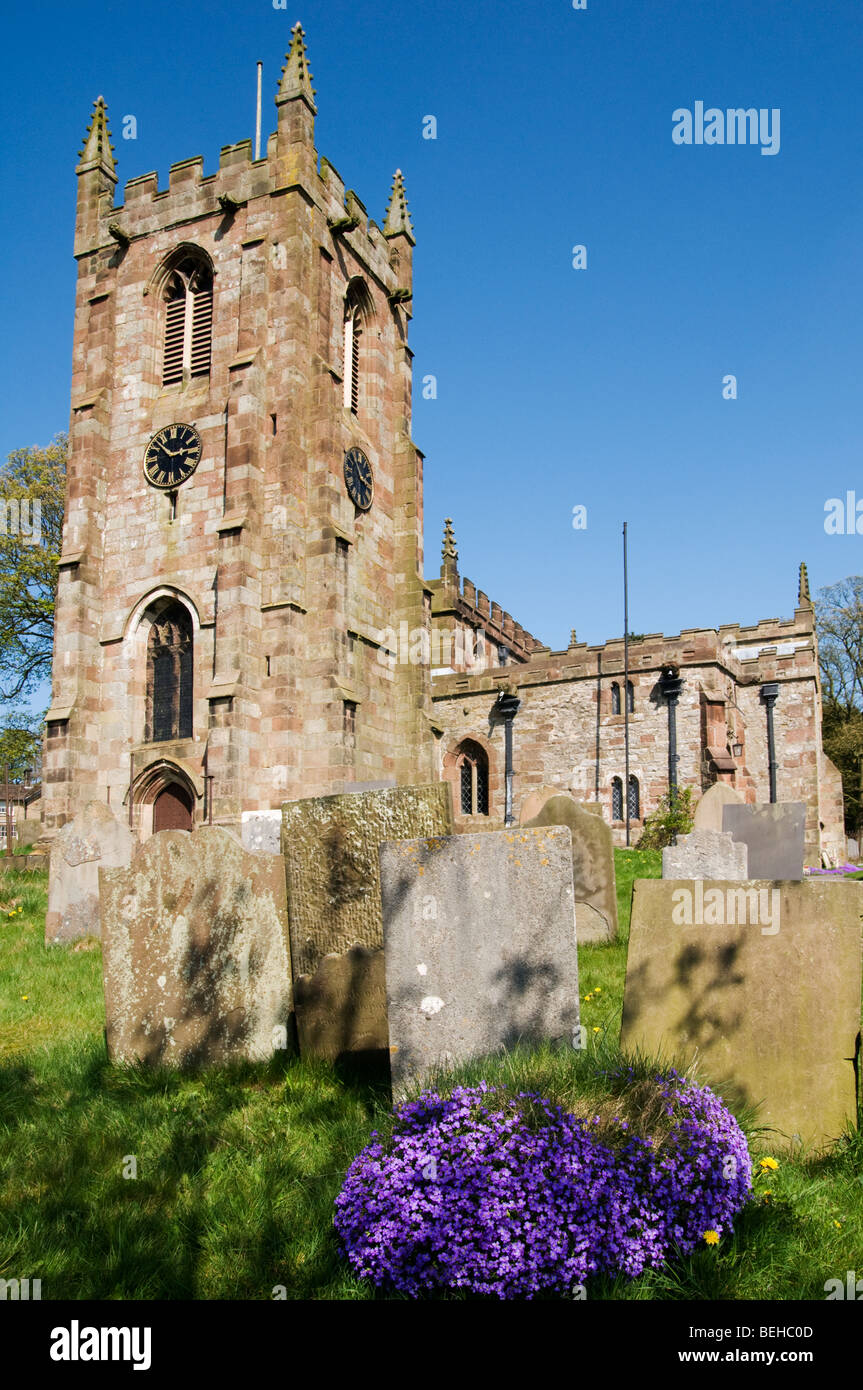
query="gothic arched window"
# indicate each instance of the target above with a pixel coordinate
(473, 779)
(615, 698)
(359, 307)
(616, 799)
(634, 799)
(170, 669)
(630, 697)
(188, 297)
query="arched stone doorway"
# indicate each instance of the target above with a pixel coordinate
(173, 809)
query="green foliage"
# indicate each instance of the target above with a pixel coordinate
(28, 572)
(673, 816)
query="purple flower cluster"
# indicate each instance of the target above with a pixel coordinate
(515, 1197)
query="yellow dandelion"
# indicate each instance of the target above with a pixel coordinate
(598, 989)
(838, 1225)
(25, 997)
(769, 1163)
(711, 1237)
(597, 1030)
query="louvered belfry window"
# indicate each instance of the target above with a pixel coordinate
(353, 329)
(188, 322)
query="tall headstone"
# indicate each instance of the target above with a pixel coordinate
(196, 963)
(705, 854)
(330, 846)
(480, 946)
(708, 812)
(774, 835)
(95, 839)
(758, 981)
(592, 866)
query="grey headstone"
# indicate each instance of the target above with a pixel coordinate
(196, 965)
(262, 831)
(774, 836)
(708, 812)
(705, 854)
(95, 838)
(480, 946)
(592, 865)
(852, 849)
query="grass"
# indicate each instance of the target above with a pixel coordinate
(237, 1169)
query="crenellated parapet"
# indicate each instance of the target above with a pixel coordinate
(457, 604)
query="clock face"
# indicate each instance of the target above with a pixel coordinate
(172, 456)
(359, 479)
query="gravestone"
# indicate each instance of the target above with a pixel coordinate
(708, 812)
(480, 946)
(852, 849)
(761, 982)
(774, 835)
(330, 847)
(342, 1008)
(261, 831)
(592, 866)
(27, 832)
(95, 839)
(196, 965)
(705, 854)
(535, 800)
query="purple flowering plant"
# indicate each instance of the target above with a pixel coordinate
(499, 1192)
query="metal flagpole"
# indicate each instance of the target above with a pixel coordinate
(626, 684)
(258, 116)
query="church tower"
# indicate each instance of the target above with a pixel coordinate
(244, 501)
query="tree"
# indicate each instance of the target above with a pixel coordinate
(20, 745)
(32, 500)
(839, 627)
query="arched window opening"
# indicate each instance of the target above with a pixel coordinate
(615, 698)
(188, 296)
(170, 673)
(630, 697)
(616, 799)
(359, 310)
(473, 779)
(353, 330)
(634, 799)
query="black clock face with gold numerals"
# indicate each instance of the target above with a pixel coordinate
(172, 456)
(359, 479)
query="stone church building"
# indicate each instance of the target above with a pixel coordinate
(242, 616)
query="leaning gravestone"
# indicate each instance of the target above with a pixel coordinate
(94, 839)
(480, 946)
(592, 866)
(774, 835)
(196, 965)
(708, 812)
(330, 846)
(705, 854)
(758, 981)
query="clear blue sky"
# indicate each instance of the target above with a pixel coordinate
(555, 387)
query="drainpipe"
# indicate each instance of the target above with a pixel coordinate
(769, 694)
(507, 707)
(670, 685)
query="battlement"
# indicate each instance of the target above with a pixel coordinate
(245, 188)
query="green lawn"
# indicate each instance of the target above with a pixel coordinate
(237, 1169)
